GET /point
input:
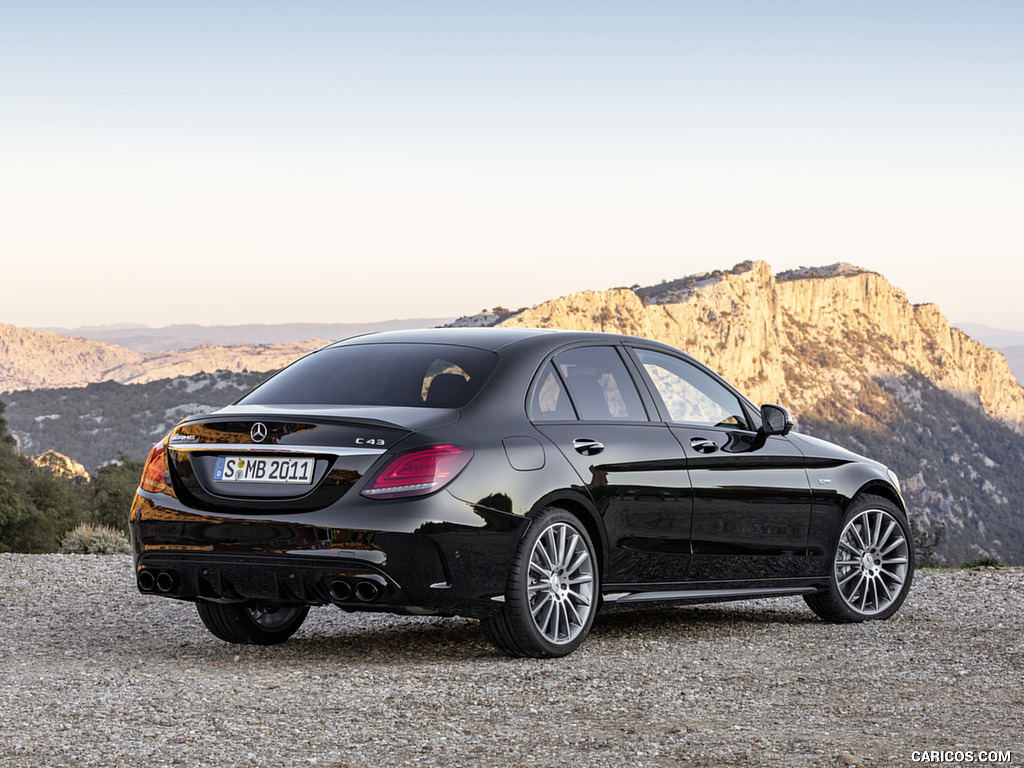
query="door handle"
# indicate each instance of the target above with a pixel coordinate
(703, 445)
(586, 446)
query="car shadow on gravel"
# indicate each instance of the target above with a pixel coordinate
(374, 639)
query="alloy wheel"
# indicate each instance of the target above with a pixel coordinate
(871, 562)
(560, 583)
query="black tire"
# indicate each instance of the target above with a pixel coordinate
(872, 565)
(549, 607)
(251, 624)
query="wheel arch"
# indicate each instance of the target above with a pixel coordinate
(583, 510)
(883, 489)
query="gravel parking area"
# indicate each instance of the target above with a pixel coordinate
(95, 674)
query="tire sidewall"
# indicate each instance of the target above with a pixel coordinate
(860, 506)
(517, 593)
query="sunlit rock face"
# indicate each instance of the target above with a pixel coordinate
(798, 338)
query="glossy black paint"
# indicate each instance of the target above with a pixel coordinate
(677, 511)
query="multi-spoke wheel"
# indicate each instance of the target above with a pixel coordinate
(251, 623)
(872, 566)
(552, 589)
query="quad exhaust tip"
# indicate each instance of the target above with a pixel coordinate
(363, 591)
(340, 591)
(367, 591)
(157, 581)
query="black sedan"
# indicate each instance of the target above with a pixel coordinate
(522, 477)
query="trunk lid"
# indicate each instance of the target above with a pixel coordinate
(326, 450)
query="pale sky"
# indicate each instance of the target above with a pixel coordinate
(240, 162)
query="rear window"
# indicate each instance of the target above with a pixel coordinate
(426, 375)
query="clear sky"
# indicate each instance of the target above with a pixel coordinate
(234, 162)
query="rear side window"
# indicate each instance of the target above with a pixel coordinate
(550, 401)
(425, 375)
(600, 385)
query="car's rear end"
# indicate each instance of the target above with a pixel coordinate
(290, 498)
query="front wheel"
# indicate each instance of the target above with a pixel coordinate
(252, 624)
(872, 565)
(552, 589)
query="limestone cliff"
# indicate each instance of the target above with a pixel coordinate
(799, 338)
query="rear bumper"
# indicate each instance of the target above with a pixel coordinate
(439, 556)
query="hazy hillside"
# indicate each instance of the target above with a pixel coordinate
(1015, 357)
(95, 423)
(39, 359)
(141, 338)
(1010, 343)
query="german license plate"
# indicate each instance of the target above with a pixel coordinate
(259, 469)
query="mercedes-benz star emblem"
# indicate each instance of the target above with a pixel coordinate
(258, 433)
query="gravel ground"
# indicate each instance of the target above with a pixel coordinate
(95, 674)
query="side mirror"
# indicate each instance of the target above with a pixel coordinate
(775, 420)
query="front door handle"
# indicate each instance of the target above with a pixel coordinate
(703, 445)
(586, 446)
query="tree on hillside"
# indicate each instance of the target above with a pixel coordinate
(36, 507)
(113, 489)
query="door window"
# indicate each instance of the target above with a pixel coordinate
(690, 395)
(600, 385)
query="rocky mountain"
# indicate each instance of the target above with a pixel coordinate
(39, 359)
(839, 346)
(855, 362)
(798, 338)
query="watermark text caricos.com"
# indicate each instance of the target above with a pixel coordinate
(959, 756)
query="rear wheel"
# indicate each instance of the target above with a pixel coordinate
(872, 566)
(551, 593)
(251, 623)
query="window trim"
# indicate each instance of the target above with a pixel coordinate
(625, 357)
(534, 392)
(752, 413)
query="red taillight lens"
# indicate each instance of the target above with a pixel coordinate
(418, 472)
(156, 476)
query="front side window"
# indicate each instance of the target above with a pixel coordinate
(690, 395)
(430, 375)
(600, 385)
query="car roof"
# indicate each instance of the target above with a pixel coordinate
(483, 338)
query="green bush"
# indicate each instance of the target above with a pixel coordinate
(95, 540)
(982, 562)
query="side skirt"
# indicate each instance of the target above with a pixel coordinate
(705, 594)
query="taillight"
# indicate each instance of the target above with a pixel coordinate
(156, 476)
(418, 472)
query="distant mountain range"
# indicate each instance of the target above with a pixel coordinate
(1010, 343)
(841, 347)
(140, 338)
(42, 360)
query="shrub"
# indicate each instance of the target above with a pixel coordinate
(95, 540)
(982, 562)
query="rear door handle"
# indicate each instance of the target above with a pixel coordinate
(586, 446)
(703, 445)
